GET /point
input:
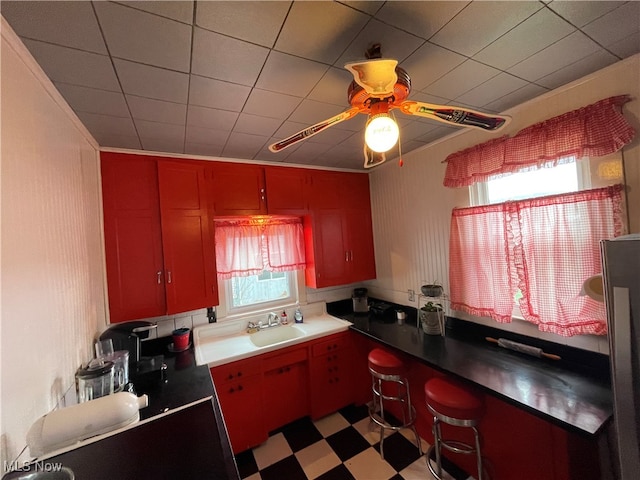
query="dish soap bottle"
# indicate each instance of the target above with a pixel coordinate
(298, 314)
(283, 318)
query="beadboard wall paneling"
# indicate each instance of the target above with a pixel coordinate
(52, 293)
(412, 209)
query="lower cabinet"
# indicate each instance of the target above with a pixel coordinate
(330, 371)
(262, 393)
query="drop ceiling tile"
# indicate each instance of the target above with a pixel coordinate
(367, 7)
(287, 129)
(331, 136)
(163, 145)
(414, 130)
(107, 125)
(565, 51)
(332, 88)
(461, 79)
(157, 110)
(312, 112)
(244, 145)
(395, 43)
(118, 141)
(270, 104)
(225, 58)
(422, 19)
(615, 25)
(91, 100)
(256, 125)
(429, 63)
(491, 90)
(356, 124)
(307, 152)
(319, 31)
(290, 75)
(626, 47)
(147, 130)
(203, 149)
(72, 24)
(596, 61)
(255, 22)
(208, 92)
(529, 91)
(437, 133)
(580, 13)
(481, 23)
(211, 118)
(142, 37)
(206, 136)
(152, 82)
(77, 67)
(181, 11)
(537, 32)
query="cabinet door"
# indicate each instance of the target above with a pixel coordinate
(133, 240)
(328, 264)
(360, 251)
(287, 190)
(238, 189)
(331, 377)
(187, 237)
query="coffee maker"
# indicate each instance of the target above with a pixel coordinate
(127, 336)
(360, 300)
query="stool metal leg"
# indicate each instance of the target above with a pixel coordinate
(478, 453)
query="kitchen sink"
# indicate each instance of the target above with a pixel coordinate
(273, 335)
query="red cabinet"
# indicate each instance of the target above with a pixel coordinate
(239, 389)
(287, 190)
(238, 189)
(330, 375)
(339, 237)
(158, 237)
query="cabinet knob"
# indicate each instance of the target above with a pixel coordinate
(159, 276)
(262, 195)
(168, 276)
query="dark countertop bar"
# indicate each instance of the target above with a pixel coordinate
(549, 389)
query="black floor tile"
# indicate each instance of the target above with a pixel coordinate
(354, 414)
(246, 463)
(287, 468)
(337, 473)
(301, 434)
(347, 443)
(398, 451)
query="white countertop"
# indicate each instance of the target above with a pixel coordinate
(217, 344)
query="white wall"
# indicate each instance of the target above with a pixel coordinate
(411, 208)
(52, 289)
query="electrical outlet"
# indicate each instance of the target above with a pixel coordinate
(412, 295)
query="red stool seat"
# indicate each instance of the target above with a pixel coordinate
(450, 399)
(384, 362)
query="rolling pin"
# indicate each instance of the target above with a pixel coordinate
(522, 348)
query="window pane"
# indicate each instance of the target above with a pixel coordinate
(537, 183)
(263, 288)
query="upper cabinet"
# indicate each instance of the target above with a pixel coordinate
(238, 189)
(287, 190)
(158, 236)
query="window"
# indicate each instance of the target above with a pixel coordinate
(268, 289)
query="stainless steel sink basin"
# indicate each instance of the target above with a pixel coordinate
(274, 335)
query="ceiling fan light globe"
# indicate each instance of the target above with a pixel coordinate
(381, 133)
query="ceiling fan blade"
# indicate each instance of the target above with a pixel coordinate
(314, 129)
(377, 76)
(371, 158)
(458, 116)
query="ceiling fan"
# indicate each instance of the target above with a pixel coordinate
(378, 87)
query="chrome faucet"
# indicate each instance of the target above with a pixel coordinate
(273, 320)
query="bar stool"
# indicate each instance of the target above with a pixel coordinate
(388, 384)
(452, 404)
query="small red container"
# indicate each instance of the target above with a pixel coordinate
(181, 339)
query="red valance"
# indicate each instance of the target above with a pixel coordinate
(592, 131)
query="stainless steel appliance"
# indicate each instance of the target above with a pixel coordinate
(360, 300)
(621, 274)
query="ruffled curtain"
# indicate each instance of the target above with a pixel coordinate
(543, 248)
(592, 131)
(247, 246)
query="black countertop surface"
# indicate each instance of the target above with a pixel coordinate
(553, 390)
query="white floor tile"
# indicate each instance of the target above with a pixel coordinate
(370, 430)
(273, 450)
(331, 424)
(317, 459)
(369, 465)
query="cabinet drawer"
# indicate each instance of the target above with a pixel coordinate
(283, 359)
(235, 371)
(335, 342)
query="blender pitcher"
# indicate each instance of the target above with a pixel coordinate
(95, 380)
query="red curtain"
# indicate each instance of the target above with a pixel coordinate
(543, 248)
(247, 246)
(592, 131)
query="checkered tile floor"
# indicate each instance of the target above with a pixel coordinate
(341, 446)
